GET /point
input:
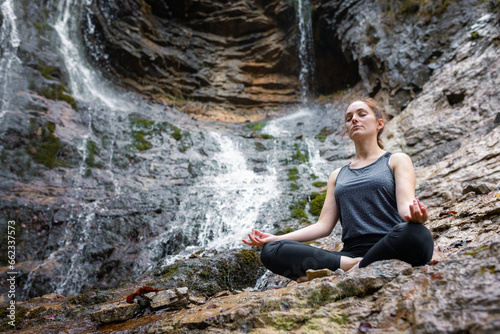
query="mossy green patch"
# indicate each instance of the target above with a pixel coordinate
(320, 296)
(325, 132)
(58, 92)
(6, 322)
(141, 122)
(46, 149)
(255, 126)
(488, 269)
(316, 204)
(477, 250)
(177, 134)
(319, 184)
(143, 130)
(260, 147)
(299, 157)
(286, 230)
(140, 142)
(92, 152)
(293, 174)
(265, 136)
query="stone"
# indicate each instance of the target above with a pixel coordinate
(312, 274)
(173, 298)
(114, 313)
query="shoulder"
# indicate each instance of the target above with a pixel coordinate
(400, 159)
(400, 162)
(332, 179)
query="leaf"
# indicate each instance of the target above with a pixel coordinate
(365, 327)
(141, 291)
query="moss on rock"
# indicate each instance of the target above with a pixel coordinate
(316, 204)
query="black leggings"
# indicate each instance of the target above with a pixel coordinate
(409, 242)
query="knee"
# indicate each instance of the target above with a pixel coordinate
(268, 252)
(416, 233)
(417, 237)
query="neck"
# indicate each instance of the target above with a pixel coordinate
(367, 150)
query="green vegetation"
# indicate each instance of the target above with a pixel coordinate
(58, 93)
(316, 203)
(259, 147)
(321, 296)
(140, 142)
(477, 250)
(141, 122)
(284, 231)
(255, 126)
(143, 130)
(18, 318)
(177, 135)
(297, 211)
(91, 151)
(325, 132)
(319, 184)
(293, 174)
(475, 35)
(264, 136)
(299, 157)
(214, 274)
(46, 148)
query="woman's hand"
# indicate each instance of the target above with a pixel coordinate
(258, 238)
(418, 213)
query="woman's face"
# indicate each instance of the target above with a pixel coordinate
(360, 120)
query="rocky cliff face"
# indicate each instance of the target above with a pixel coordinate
(98, 188)
(223, 55)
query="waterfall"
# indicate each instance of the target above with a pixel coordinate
(240, 182)
(9, 42)
(306, 75)
(224, 204)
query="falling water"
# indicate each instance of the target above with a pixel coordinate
(218, 207)
(9, 42)
(224, 204)
(306, 75)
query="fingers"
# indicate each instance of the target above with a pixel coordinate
(418, 212)
(254, 240)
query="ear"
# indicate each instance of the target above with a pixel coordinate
(380, 124)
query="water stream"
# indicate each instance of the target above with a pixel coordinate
(234, 186)
(9, 42)
(305, 46)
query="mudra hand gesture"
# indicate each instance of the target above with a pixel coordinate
(258, 238)
(418, 213)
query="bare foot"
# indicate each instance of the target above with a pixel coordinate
(302, 279)
(347, 263)
(356, 266)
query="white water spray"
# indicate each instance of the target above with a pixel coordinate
(306, 75)
(231, 196)
(9, 42)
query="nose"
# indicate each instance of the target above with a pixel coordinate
(354, 119)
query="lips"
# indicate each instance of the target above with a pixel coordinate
(355, 127)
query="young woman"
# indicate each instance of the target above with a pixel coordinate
(374, 199)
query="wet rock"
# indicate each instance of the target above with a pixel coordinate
(229, 59)
(173, 299)
(312, 274)
(114, 313)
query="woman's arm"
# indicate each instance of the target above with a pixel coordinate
(409, 208)
(326, 222)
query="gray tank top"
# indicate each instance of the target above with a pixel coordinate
(366, 199)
